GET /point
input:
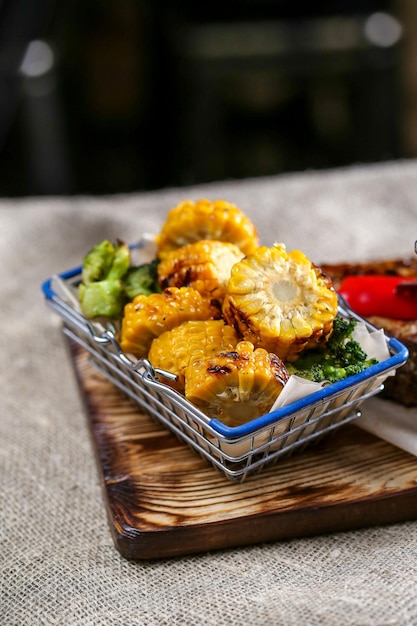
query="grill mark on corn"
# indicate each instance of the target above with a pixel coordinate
(219, 369)
(234, 355)
(279, 369)
(240, 322)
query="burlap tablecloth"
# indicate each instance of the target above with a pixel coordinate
(58, 563)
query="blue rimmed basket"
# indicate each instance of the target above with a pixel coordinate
(236, 451)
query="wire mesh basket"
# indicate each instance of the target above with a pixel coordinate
(236, 451)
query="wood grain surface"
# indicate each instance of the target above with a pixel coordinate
(164, 500)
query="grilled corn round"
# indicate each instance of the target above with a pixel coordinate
(280, 301)
(174, 350)
(235, 386)
(147, 317)
(205, 219)
(204, 265)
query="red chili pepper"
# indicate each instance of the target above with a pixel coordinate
(386, 296)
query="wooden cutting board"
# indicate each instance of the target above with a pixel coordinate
(164, 500)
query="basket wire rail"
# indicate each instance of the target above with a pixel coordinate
(235, 451)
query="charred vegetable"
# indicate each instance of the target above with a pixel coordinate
(204, 265)
(101, 292)
(280, 301)
(176, 349)
(204, 219)
(148, 316)
(387, 296)
(235, 386)
(108, 280)
(342, 357)
(142, 280)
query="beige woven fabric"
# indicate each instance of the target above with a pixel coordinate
(58, 564)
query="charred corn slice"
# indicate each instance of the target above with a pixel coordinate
(204, 265)
(173, 350)
(236, 386)
(147, 317)
(280, 301)
(204, 219)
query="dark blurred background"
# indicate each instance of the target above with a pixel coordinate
(109, 96)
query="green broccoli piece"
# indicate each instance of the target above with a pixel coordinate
(101, 291)
(121, 262)
(104, 298)
(142, 279)
(341, 357)
(97, 263)
(108, 281)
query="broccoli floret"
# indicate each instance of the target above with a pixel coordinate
(108, 281)
(106, 261)
(142, 279)
(101, 292)
(342, 356)
(121, 262)
(104, 298)
(97, 263)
